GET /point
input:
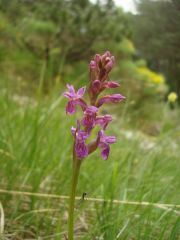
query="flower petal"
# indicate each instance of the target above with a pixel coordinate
(103, 143)
(73, 131)
(67, 94)
(90, 117)
(96, 86)
(90, 110)
(114, 98)
(81, 150)
(71, 89)
(81, 91)
(103, 120)
(105, 152)
(110, 139)
(112, 85)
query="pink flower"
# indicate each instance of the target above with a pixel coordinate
(93, 65)
(112, 85)
(89, 119)
(103, 121)
(96, 86)
(104, 142)
(94, 70)
(80, 148)
(107, 61)
(75, 98)
(100, 66)
(114, 98)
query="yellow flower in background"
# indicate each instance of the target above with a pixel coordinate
(172, 97)
(158, 78)
(144, 71)
(151, 76)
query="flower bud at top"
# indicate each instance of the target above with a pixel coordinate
(105, 57)
(109, 64)
(92, 65)
(97, 59)
(112, 85)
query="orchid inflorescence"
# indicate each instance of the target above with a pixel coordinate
(100, 66)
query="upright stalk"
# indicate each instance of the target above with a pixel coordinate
(100, 66)
(75, 174)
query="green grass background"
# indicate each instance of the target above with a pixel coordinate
(35, 156)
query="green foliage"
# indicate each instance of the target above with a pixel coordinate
(56, 35)
(156, 34)
(44, 45)
(35, 150)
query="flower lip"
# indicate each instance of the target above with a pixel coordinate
(81, 150)
(70, 108)
(89, 119)
(104, 142)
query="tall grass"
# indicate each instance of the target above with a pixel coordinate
(35, 156)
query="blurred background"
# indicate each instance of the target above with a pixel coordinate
(45, 44)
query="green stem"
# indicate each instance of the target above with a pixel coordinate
(75, 174)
